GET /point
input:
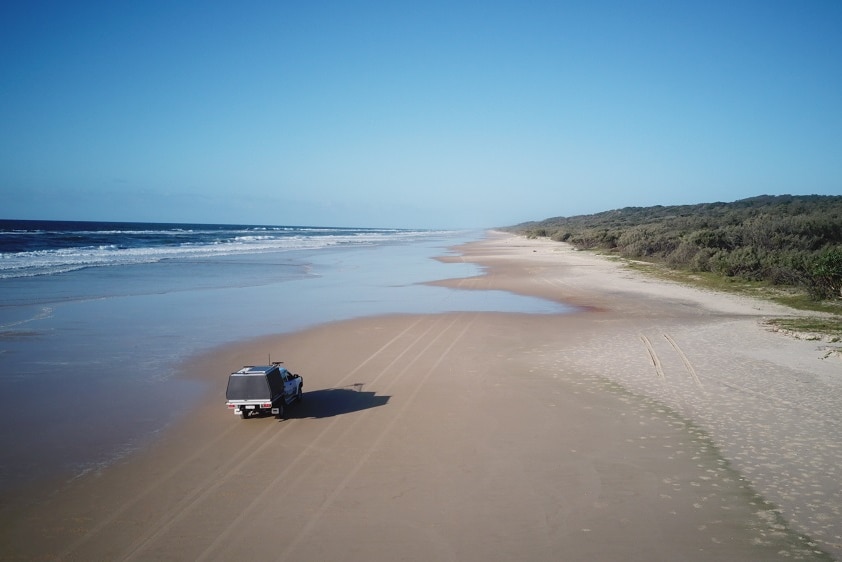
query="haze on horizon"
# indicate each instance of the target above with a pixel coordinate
(430, 115)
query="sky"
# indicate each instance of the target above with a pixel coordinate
(412, 114)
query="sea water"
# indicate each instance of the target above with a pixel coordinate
(95, 318)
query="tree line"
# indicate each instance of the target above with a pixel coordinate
(784, 240)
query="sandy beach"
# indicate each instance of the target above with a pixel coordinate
(659, 422)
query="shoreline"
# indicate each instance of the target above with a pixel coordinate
(94, 372)
(602, 433)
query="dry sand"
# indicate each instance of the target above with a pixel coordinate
(658, 423)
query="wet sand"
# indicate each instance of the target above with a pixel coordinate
(658, 423)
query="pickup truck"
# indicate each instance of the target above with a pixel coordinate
(263, 389)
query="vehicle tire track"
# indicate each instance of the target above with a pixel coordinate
(209, 485)
(684, 359)
(314, 519)
(213, 547)
(379, 351)
(225, 469)
(653, 356)
(100, 526)
(204, 489)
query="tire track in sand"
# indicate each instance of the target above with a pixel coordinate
(203, 490)
(315, 518)
(684, 359)
(283, 476)
(169, 475)
(653, 357)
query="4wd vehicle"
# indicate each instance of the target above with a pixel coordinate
(262, 389)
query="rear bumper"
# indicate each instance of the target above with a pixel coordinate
(243, 407)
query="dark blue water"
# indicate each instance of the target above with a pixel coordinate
(29, 248)
(89, 351)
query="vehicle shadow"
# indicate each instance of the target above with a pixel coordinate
(331, 402)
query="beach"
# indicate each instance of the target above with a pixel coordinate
(646, 421)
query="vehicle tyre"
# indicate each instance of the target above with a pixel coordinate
(300, 394)
(281, 411)
(244, 414)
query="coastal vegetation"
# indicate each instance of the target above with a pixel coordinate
(786, 247)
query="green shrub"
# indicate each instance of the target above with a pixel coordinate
(826, 274)
(781, 240)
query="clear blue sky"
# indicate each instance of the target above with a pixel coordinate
(417, 114)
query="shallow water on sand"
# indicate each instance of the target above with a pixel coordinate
(87, 358)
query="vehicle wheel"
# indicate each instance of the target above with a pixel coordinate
(244, 414)
(281, 412)
(300, 394)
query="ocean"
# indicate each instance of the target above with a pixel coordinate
(31, 248)
(96, 317)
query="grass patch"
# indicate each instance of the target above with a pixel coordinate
(827, 326)
(802, 301)
(791, 297)
(704, 280)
